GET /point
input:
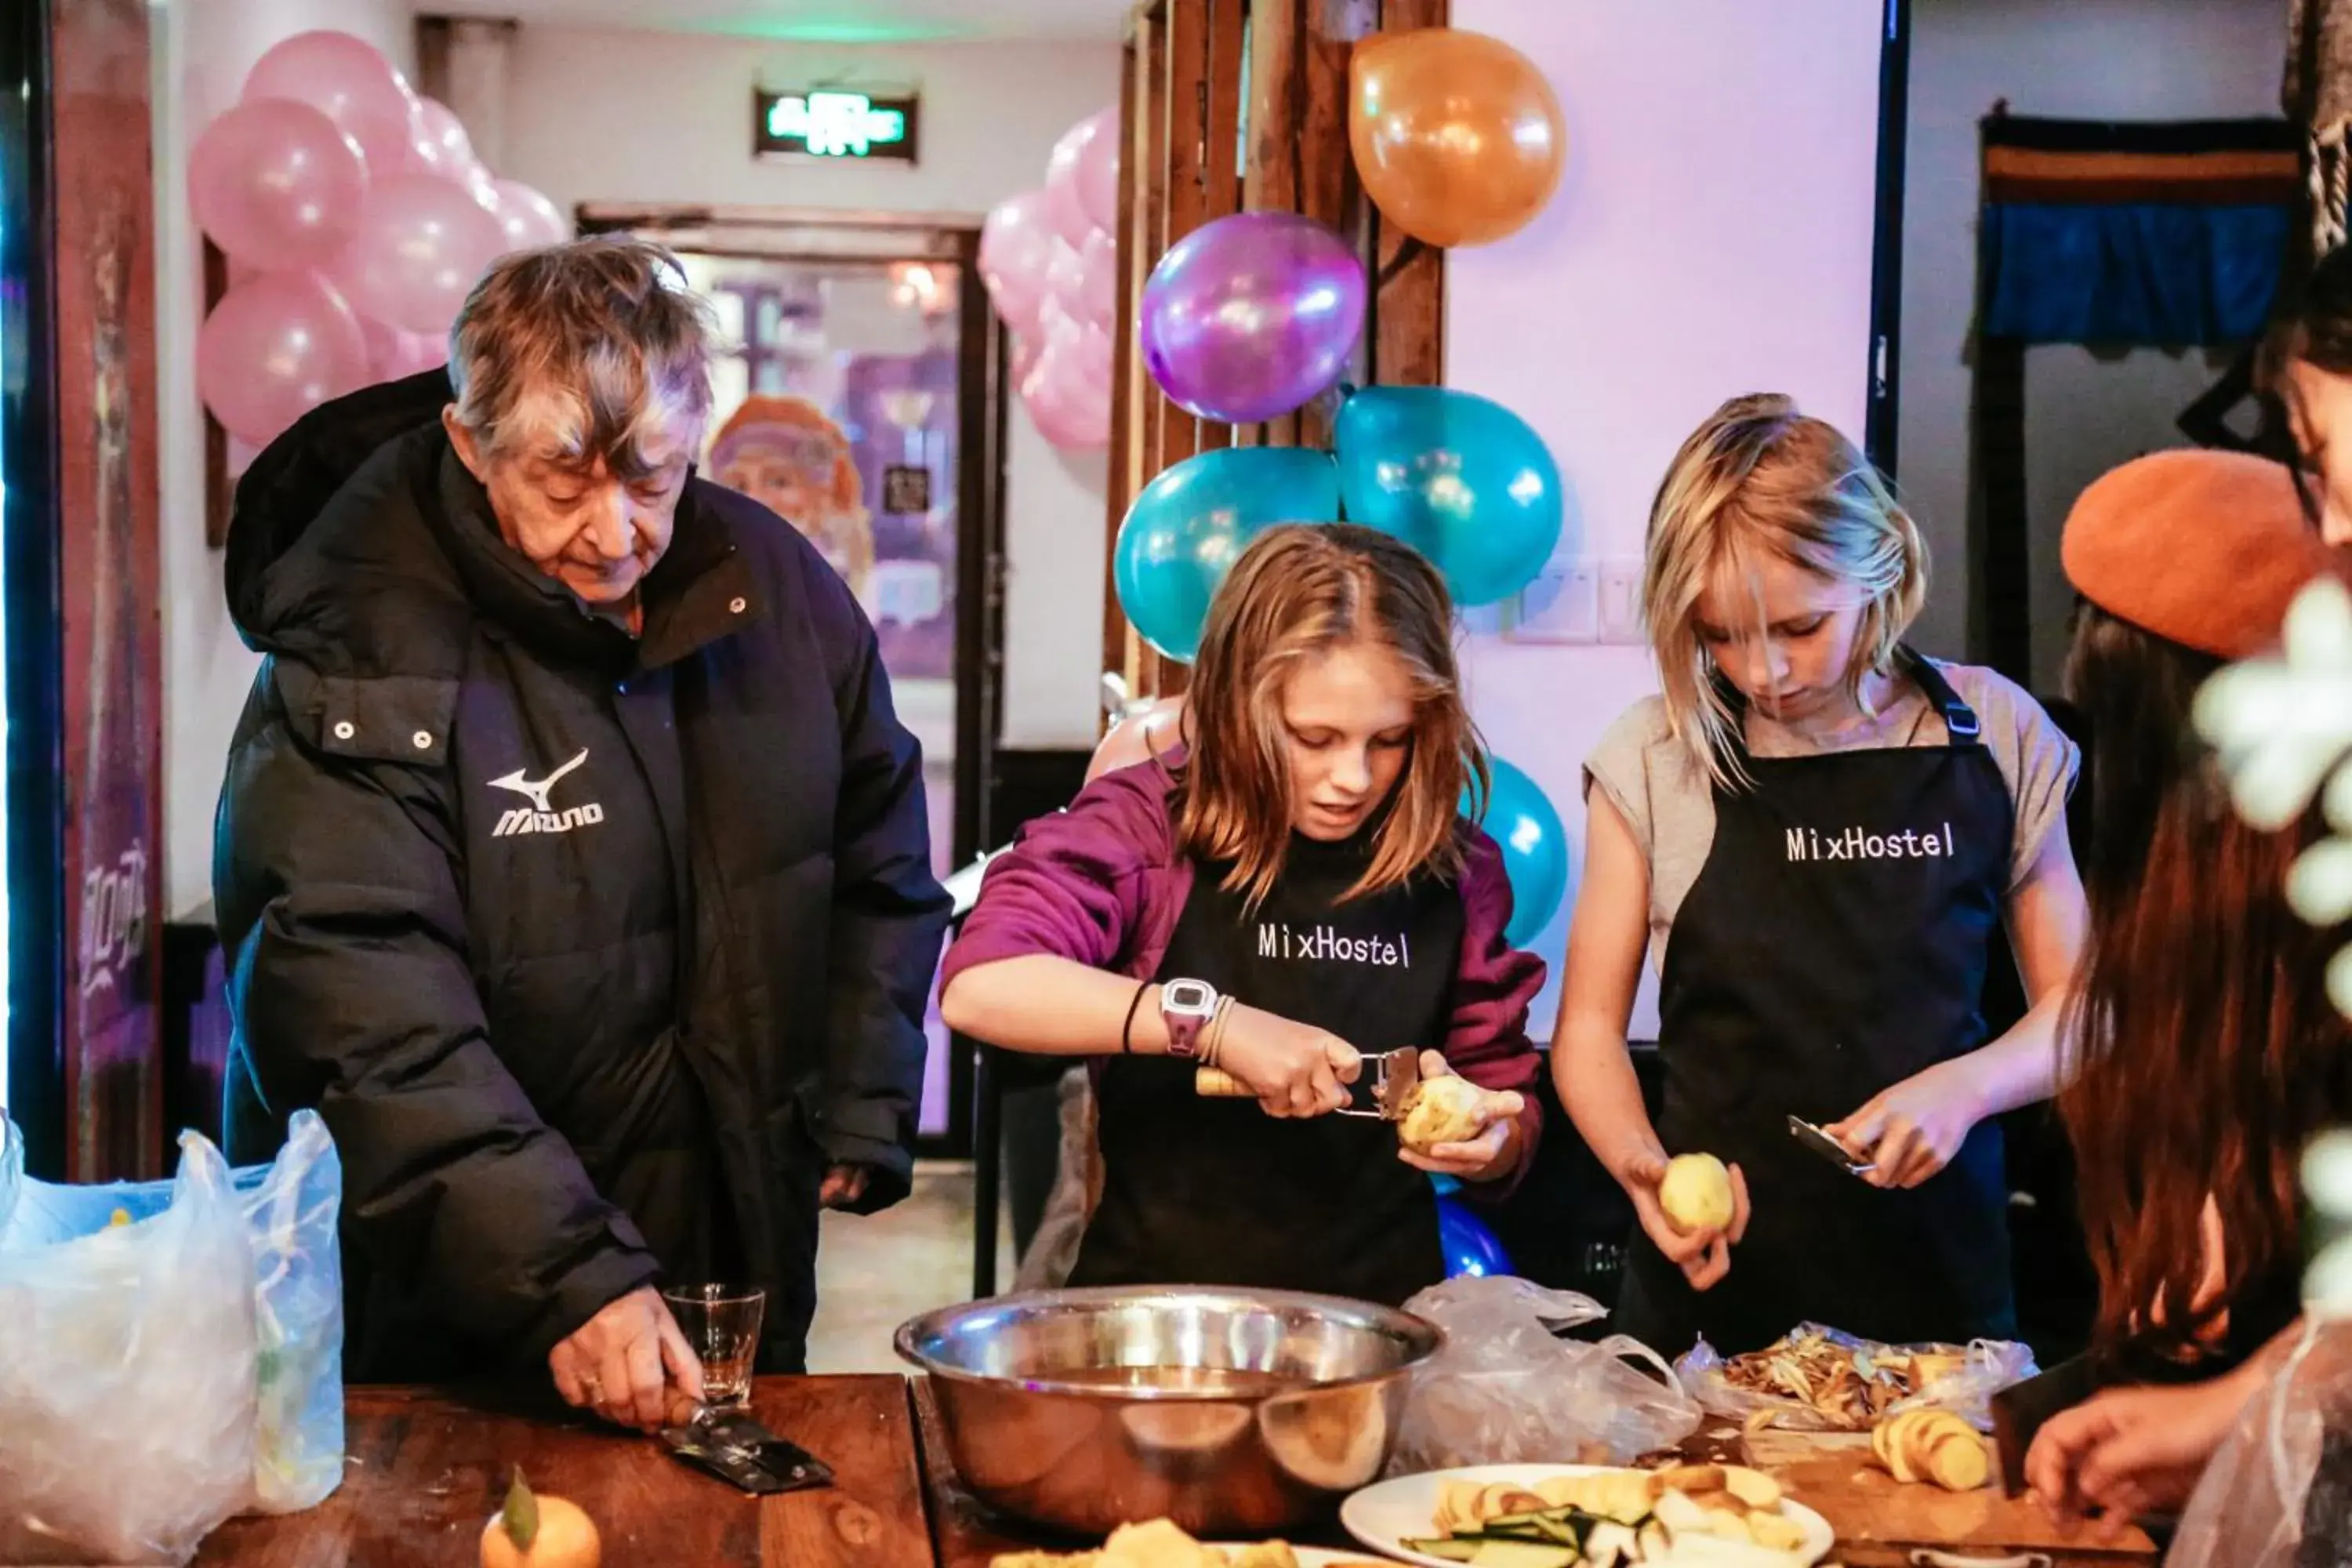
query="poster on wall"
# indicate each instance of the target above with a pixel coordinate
(110, 589)
(836, 406)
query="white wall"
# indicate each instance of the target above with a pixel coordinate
(2093, 59)
(629, 116)
(203, 49)
(1712, 236)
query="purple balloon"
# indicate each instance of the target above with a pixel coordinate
(1247, 317)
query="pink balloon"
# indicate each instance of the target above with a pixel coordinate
(1067, 389)
(421, 246)
(1085, 280)
(530, 218)
(1016, 254)
(443, 145)
(1023, 355)
(277, 183)
(274, 349)
(394, 354)
(357, 86)
(1098, 170)
(1066, 204)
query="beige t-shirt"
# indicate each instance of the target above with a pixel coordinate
(1666, 799)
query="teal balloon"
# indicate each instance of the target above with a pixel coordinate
(1462, 480)
(1518, 817)
(1191, 523)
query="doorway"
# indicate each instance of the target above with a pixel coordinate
(858, 392)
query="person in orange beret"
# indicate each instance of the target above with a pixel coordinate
(2203, 1050)
(783, 452)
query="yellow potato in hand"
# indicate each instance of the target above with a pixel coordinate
(1697, 1192)
(1446, 1110)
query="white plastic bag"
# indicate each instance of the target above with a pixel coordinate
(126, 1376)
(1506, 1389)
(1983, 1369)
(289, 1207)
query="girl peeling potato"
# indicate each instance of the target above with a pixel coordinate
(1294, 889)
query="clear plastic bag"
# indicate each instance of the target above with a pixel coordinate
(126, 1374)
(1506, 1389)
(291, 1206)
(2278, 1493)
(288, 1209)
(1978, 1371)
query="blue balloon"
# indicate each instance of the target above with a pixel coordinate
(1519, 817)
(1460, 478)
(1191, 523)
(1468, 1245)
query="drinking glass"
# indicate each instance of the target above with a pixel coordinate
(722, 1323)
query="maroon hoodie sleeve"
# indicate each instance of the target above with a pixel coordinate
(1487, 1040)
(1074, 884)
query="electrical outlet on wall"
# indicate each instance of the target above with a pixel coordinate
(1562, 605)
(1621, 600)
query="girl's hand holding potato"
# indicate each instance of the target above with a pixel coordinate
(1454, 1128)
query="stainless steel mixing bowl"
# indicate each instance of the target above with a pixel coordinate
(1231, 1412)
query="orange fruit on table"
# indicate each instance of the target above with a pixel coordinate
(533, 1531)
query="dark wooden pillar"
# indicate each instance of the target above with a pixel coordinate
(109, 582)
(1200, 144)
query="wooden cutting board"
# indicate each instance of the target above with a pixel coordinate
(1879, 1519)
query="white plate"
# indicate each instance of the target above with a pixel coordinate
(1386, 1515)
(1311, 1557)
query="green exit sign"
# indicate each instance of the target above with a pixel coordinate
(835, 124)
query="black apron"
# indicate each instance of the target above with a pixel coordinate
(1216, 1192)
(1835, 943)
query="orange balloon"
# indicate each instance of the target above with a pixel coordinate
(1457, 136)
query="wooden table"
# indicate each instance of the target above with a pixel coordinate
(426, 1469)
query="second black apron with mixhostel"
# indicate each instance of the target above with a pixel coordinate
(1216, 1192)
(1834, 944)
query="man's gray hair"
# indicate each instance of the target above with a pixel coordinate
(601, 336)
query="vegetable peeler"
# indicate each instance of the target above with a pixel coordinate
(1379, 1091)
(733, 1447)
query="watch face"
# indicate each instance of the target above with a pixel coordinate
(1186, 996)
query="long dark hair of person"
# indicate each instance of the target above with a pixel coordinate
(2205, 1049)
(2311, 325)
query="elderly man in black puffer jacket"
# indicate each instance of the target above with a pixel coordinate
(571, 861)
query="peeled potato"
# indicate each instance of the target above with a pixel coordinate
(1776, 1531)
(1441, 1110)
(1697, 1192)
(1754, 1487)
(1958, 1464)
(1914, 1446)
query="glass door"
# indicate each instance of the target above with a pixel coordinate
(857, 394)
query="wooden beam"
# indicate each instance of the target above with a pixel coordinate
(1221, 180)
(1142, 664)
(1406, 326)
(1119, 481)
